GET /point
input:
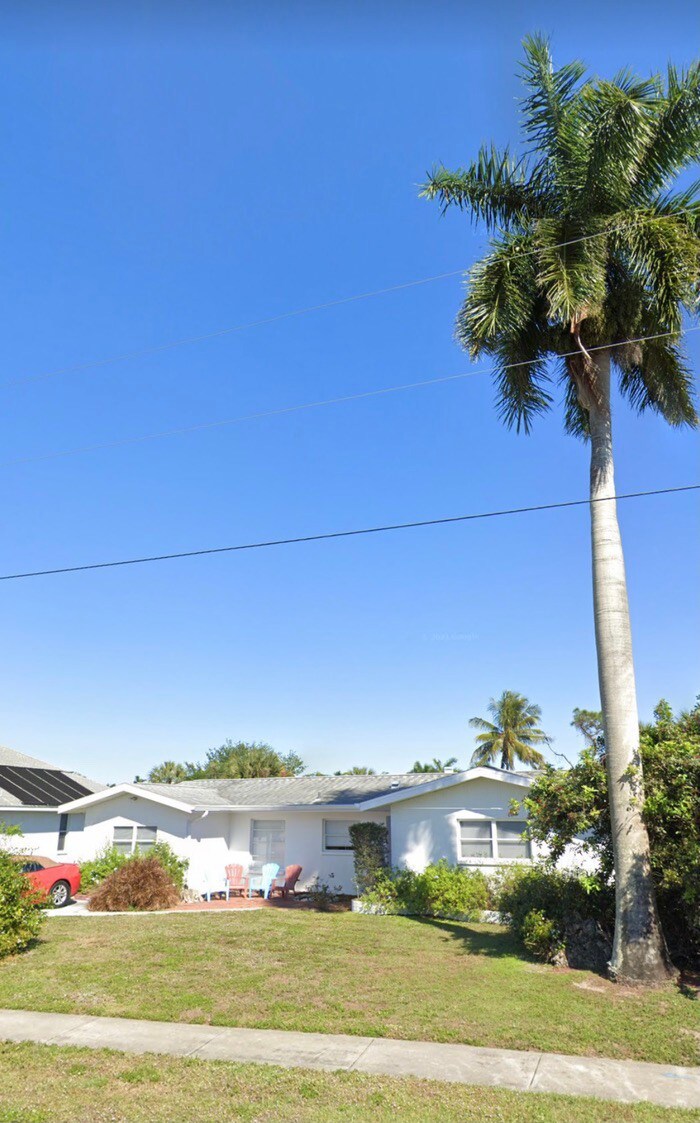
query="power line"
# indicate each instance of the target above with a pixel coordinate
(170, 345)
(281, 410)
(345, 533)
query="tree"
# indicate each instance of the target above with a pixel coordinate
(239, 760)
(594, 260)
(589, 724)
(512, 735)
(571, 805)
(435, 765)
(169, 772)
(357, 770)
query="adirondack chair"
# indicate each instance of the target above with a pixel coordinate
(291, 876)
(236, 880)
(269, 873)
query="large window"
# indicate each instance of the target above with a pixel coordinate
(476, 839)
(336, 834)
(128, 839)
(267, 841)
(494, 840)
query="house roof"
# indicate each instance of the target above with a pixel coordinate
(319, 792)
(30, 783)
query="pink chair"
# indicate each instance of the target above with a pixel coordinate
(291, 876)
(236, 880)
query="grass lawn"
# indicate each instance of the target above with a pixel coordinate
(343, 973)
(46, 1084)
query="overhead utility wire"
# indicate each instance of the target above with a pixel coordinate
(169, 345)
(260, 414)
(345, 533)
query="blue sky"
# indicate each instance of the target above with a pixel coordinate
(171, 170)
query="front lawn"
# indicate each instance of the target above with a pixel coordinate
(46, 1084)
(343, 973)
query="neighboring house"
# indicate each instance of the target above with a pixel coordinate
(463, 817)
(31, 794)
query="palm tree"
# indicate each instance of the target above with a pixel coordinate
(594, 260)
(511, 735)
(169, 772)
(435, 765)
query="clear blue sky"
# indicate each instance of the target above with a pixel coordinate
(170, 170)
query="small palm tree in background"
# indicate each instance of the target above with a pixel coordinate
(169, 772)
(512, 735)
(435, 765)
(595, 258)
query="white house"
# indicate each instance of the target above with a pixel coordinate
(464, 817)
(31, 794)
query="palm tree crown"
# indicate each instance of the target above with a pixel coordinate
(591, 248)
(511, 735)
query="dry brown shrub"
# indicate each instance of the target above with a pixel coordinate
(140, 884)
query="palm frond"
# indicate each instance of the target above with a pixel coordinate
(675, 139)
(620, 116)
(495, 189)
(656, 376)
(549, 124)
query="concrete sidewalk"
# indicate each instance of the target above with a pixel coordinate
(628, 1081)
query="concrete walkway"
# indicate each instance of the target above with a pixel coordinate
(628, 1081)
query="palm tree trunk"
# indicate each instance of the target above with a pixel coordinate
(639, 951)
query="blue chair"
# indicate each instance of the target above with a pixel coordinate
(268, 875)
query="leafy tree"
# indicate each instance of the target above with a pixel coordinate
(589, 724)
(594, 260)
(435, 765)
(357, 770)
(512, 735)
(573, 805)
(240, 761)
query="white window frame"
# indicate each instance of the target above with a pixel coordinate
(134, 828)
(494, 859)
(268, 823)
(337, 849)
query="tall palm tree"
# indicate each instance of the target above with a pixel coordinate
(512, 735)
(594, 260)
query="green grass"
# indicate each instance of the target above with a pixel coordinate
(47, 1084)
(343, 973)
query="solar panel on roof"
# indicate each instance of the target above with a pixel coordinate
(43, 787)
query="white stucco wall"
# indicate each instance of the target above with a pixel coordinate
(39, 831)
(425, 829)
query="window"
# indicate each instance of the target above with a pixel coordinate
(497, 841)
(511, 843)
(475, 839)
(267, 841)
(336, 834)
(128, 839)
(68, 825)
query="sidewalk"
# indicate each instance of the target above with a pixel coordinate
(628, 1081)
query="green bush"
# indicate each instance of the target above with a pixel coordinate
(21, 913)
(370, 843)
(541, 903)
(440, 890)
(542, 937)
(109, 859)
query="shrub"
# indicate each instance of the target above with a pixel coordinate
(324, 897)
(542, 937)
(20, 907)
(140, 883)
(547, 908)
(95, 870)
(440, 890)
(371, 846)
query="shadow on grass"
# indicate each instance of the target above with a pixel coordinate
(496, 944)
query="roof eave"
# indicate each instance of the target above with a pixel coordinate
(448, 781)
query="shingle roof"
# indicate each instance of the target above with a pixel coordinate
(288, 791)
(10, 758)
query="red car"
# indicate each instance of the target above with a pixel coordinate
(59, 880)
